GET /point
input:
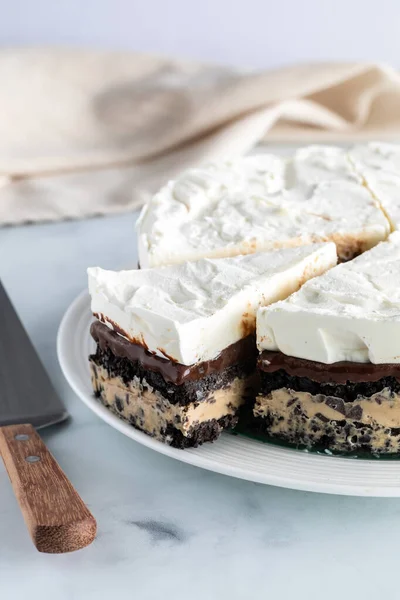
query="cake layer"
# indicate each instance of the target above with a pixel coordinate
(180, 421)
(351, 313)
(258, 203)
(190, 313)
(114, 347)
(368, 422)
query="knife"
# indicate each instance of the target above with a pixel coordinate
(56, 517)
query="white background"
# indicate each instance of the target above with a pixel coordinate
(253, 33)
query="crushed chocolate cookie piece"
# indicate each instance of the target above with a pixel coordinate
(336, 403)
(355, 412)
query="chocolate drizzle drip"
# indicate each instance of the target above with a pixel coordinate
(241, 352)
(339, 372)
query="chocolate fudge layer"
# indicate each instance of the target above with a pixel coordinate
(343, 407)
(180, 405)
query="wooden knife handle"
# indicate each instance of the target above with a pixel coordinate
(55, 514)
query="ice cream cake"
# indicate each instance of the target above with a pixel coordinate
(175, 346)
(330, 358)
(259, 203)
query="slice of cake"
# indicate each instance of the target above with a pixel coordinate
(330, 358)
(379, 165)
(260, 203)
(176, 350)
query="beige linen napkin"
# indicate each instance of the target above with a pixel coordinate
(86, 133)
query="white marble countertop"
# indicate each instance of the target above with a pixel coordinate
(166, 529)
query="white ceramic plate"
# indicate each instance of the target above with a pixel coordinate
(236, 456)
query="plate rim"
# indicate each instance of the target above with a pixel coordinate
(64, 336)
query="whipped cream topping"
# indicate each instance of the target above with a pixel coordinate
(192, 311)
(379, 166)
(260, 203)
(351, 313)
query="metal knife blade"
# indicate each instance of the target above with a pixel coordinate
(26, 392)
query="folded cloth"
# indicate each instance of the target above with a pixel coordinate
(86, 133)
